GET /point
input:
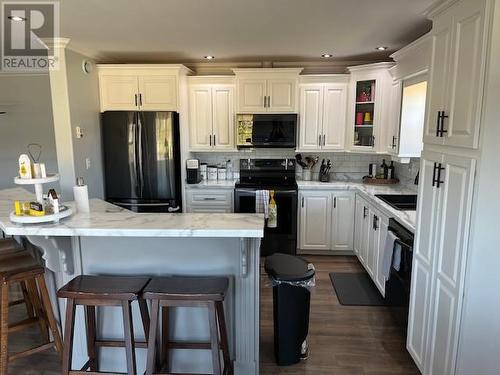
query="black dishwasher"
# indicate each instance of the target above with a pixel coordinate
(397, 287)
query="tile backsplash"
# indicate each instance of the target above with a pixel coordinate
(346, 166)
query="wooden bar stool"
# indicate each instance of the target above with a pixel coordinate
(92, 291)
(25, 269)
(165, 292)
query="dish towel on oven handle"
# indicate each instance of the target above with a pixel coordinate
(389, 250)
(262, 202)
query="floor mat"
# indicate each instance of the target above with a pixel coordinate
(356, 289)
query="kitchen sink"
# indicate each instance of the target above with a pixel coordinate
(401, 202)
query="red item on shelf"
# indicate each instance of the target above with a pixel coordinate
(359, 118)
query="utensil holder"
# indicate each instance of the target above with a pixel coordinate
(324, 177)
(306, 174)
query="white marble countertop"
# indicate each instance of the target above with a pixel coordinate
(216, 184)
(406, 218)
(108, 220)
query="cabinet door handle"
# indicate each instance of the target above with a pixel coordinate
(364, 212)
(438, 123)
(442, 130)
(324, 139)
(302, 204)
(375, 222)
(394, 141)
(140, 100)
(319, 140)
(373, 140)
(334, 202)
(209, 199)
(440, 168)
(268, 101)
(135, 98)
(434, 174)
(210, 139)
(214, 139)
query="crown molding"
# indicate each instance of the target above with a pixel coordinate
(438, 7)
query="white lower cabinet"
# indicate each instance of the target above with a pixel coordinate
(315, 220)
(326, 221)
(445, 199)
(370, 233)
(209, 200)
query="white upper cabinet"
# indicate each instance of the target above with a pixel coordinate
(271, 90)
(211, 114)
(200, 117)
(334, 116)
(158, 93)
(223, 116)
(457, 75)
(393, 123)
(252, 95)
(311, 117)
(128, 87)
(118, 93)
(369, 94)
(281, 95)
(322, 113)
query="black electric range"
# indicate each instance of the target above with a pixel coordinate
(277, 175)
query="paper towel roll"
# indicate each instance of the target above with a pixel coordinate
(81, 194)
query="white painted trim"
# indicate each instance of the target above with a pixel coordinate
(263, 71)
(324, 78)
(371, 67)
(410, 47)
(438, 7)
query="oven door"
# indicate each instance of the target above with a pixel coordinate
(277, 130)
(283, 238)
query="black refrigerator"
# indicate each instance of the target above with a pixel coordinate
(142, 168)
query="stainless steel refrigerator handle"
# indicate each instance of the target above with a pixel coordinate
(132, 140)
(140, 169)
(173, 209)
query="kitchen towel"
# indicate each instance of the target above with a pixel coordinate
(396, 258)
(387, 258)
(262, 202)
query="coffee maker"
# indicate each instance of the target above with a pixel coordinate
(193, 175)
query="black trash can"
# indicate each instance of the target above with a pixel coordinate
(292, 278)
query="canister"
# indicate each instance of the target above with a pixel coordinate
(211, 172)
(203, 171)
(221, 173)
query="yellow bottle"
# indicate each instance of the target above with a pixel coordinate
(272, 221)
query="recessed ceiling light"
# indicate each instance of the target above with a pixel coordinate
(209, 57)
(16, 18)
(326, 55)
(381, 48)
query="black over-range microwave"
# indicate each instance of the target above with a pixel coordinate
(267, 130)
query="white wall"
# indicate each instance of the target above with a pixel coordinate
(28, 119)
(479, 351)
(83, 91)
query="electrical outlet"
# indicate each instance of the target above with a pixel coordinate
(79, 132)
(87, 163)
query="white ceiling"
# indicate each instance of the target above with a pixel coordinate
(240, 30)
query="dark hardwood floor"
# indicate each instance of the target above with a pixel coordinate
(343, 340)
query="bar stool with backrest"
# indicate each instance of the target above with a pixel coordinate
(209, 292)
(20, 267)
(93, 291)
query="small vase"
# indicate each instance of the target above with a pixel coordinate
(306, 175)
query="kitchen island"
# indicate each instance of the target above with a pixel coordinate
(112, 241)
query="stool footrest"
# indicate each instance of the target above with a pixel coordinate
(119, 344)
(190, 345)
(37, 349)
(14, 327)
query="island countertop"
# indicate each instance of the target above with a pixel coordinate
(108, 220)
